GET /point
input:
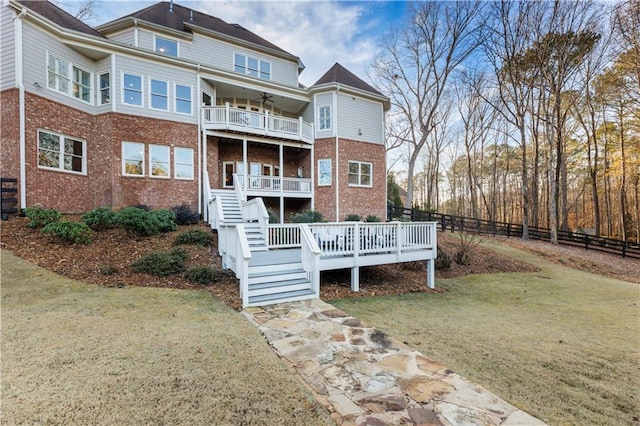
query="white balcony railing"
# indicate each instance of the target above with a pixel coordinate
(229, 118)
(267, 184)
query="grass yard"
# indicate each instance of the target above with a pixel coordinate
(561, 344)
(74, 353)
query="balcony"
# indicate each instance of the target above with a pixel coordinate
(273, 186)
(257, 123)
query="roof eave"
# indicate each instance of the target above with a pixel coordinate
(129, 21)
(386, 102)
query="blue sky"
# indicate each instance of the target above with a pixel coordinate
(319, 32)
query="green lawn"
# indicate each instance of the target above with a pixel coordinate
(78, 354)
(561, 344)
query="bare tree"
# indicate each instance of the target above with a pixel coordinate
(415, 65)
(84, 10)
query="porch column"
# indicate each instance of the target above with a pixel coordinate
(244, 161)
(431, 274)
(355, 278)
(281, 173)
(313, 197)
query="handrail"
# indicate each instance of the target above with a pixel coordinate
(243, 256)
(255, 210)
(206, 188)
(238, 187)
(310, 257)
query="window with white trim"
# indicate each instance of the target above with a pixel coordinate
(104, 88)
(131, 89)
(183, 163)
(159, 161)
(183, 99)
(64, 77)
(60, 152)
(132, 159)
(166, 46)
(251, 66)
(159, 94)
(324, 118)
(360, 173)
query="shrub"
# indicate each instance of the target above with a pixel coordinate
(69, 232)
(373, 218)
(196, 237)
(465, 248)
(100, 219)
(107, 269)
(273, 218)
(144, 207)
(307, 216)
(185, 215)
(138, 221)
(203, 275)
(415, 265)
(161, 263)
(166, 219)
(39, 216)
(353, 218)
(443, 261)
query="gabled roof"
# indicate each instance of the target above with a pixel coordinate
(173, 16)
(339, 74)
(58, 16)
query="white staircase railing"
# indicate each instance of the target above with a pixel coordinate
(310, 258)
(283, 235)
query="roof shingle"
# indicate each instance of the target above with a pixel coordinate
(58, 16)
(339, 74)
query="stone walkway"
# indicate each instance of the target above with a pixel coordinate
(365, 377)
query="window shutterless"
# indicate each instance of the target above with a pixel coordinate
(60, 152)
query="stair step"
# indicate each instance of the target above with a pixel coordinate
(274, 267)
(261, 289)
(269, 281)
(274, 298)
(284, 270)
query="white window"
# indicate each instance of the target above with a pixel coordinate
(360, 173)
(159, 161)
(183, 163)
(159, 94)
(64, 77)
(104, 88)
(166, 46)
(61, 152)
(324, 118)
(183, 99)
(324, 172)
(131, 89)
(132, 159)
(58, 74)
(251, 66)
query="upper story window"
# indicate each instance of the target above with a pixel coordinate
(252, 66)
(69, 79)
(132, 159)
(183, 99)
(166, 46)
(104, 88)
(159, 94)
(360, 173)
(61, 152)
(324, 118)
(131, 89)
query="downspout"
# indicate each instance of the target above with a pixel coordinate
(335, 132)
(200, 139)
(21, 100)
(135, 32)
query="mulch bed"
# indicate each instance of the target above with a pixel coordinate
(107, 262)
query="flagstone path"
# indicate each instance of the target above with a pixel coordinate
(365, 377)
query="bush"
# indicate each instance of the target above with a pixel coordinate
(69, 232)
(353, 218)
(273, 218)
(166, 219)
(415, 265)
(465, 248)
(144, 207)
(161, 263)
(100, 219)
(39, 216)
(203, 275)
(185, 215)
(138, 221)
(107, 269)
(196, 237)
(443, 261)
(373, 218)
(307, 216)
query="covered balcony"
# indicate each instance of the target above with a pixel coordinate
(258, 123)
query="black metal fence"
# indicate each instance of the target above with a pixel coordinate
(487, 227)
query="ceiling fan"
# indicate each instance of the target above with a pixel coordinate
(265, 98)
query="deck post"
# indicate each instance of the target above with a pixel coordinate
(355, 278)
(431, 275)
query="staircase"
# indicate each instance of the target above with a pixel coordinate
(273, 276)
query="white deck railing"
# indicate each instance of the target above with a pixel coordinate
(268, 184)
(229, 118)
(310, 257)
(283, 235)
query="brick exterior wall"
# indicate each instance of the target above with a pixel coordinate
(10, 136)
(103, 184)
(353, 200)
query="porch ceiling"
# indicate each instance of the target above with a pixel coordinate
(280, 100)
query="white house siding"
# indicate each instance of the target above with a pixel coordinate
(324, 99)
(36, 44)
(7, 50)
(126, 37)
(102, 66)
(307, 113)
(158, 71)
(359, 119)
